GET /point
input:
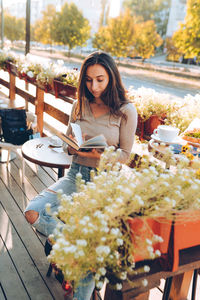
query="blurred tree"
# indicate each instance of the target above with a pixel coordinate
(70, 28)
(14, 28)
(43, 27)
(173, 53)
(117, 37)
(100, 39)
(187, 38)
(146, 39)
(144, 10)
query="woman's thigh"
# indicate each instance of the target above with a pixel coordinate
(65, 184)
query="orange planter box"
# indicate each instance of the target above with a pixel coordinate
(186, 233)
(143, 228)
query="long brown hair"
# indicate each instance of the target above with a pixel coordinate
(114, 96)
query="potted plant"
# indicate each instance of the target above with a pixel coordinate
(152, 107)
(45, 77)
(65, 83)
(7, 59)
(186, 111)
(106, 221)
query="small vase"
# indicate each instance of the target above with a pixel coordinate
(151, 124)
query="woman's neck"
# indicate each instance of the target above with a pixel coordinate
(98, 101)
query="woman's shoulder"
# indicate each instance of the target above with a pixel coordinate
(129, 108)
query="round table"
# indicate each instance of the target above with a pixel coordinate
(40, 152)
(159, 150)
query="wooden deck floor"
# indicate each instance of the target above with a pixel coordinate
(23, 264)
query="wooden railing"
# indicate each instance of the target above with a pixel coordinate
(41, 106)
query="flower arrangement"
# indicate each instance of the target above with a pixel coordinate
(67, 75)
(6, 56)
(46, 76)
(148, 102)
(95, 236)
(187, 110)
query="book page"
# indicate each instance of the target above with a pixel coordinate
(98, 141)
(77, 133)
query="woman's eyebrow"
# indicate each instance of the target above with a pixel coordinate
(96, 76)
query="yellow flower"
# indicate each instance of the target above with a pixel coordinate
(185, 148)
(198, 173)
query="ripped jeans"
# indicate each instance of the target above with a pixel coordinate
(46, 223)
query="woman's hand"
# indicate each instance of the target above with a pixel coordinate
(90, 154)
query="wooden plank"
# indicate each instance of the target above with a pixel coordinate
(11, 284)
(180, 285)
(39, 175)
(2, 293)
(24, 264)
(21, 192)
(56, 113)
(12, 87)
(28, 97)
(39, 109)
(24, 232)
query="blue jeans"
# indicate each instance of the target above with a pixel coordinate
(85, 288)
(46, 223)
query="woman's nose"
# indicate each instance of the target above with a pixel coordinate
(94, 85)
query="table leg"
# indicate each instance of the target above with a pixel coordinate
(61, 172)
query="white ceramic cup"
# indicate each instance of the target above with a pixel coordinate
(166, 133)
(55, 141)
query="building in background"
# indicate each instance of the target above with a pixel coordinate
(176, 15)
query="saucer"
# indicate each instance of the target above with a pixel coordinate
(177, 140)
(55, 142)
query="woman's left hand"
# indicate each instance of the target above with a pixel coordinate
(91, 154)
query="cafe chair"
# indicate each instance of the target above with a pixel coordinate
(31, 121)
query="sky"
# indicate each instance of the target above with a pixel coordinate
(114, 8)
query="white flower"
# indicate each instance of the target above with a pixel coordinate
(97, 276)
(102, 271)
(118, 286)
(119, 200)
(148, 241)
(101, 250)
(146, 268)
(120, 242)
(145, 282)
(157, 253)
(100, 259)
(30, 74)
(81, 243)
(115, 231)
(99, 285)
(123, 275)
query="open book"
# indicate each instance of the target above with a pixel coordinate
(98, 141)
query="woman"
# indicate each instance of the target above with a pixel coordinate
(102, 108)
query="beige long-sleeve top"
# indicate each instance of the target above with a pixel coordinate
(118, 132)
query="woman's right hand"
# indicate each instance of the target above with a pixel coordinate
(71, 150)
